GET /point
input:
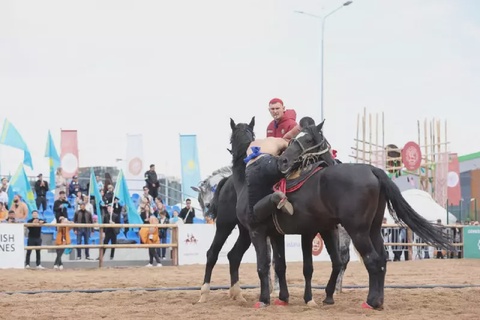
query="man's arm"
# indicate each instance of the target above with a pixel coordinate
(292, 133)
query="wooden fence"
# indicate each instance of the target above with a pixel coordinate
(101, 227)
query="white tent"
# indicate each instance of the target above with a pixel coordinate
(424, 205)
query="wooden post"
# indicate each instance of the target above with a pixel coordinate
(100, 250)
(175, 248)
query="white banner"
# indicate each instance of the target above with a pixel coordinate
(12, 245)
(194, 240)
(135, 167)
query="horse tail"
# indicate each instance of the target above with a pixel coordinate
(404, 214)
(216, 195)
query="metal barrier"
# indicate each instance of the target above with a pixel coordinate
(173, 244)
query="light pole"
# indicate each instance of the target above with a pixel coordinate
(323, 18)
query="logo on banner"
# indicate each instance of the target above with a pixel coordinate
(190, 239)
(70, 163)
(411, 156)
(317, 245)
(452, 179)
(135, 166)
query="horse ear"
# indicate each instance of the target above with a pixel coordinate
(232, 124)
(320, 126)
(252, 123)
(195, 189)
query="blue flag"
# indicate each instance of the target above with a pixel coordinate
(53, 158)
(93, 191)
(12, 138)
(20, 185)
(190, 165)
(121, 192)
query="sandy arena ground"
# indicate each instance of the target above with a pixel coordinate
(402, 304)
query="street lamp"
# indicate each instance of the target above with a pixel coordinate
(323, 18)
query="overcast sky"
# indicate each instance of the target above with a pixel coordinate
(161, 68)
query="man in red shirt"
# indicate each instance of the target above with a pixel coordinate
(283, 120)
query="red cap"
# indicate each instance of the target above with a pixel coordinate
(334, 153)
(275, 100)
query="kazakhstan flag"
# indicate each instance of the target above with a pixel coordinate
(190, 165)
(123, 195)
(93, 191)
(19, 184)
(12, 138)
(54, 160)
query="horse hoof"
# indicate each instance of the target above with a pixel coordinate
(328, 301)
(366, 306)
(312, 304)
(279, 302)
(260, 305)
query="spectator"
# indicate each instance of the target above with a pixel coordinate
(4, 198)
(188, 212)
(175, 219)
(84, 217)
(61, 205)
(111, 233)
(108, 198)
(20, 208)
(63, 238)
(163, 233)
(11, 217)
(74, 186)
(145, 205)
(60, 183)
(41, 188)
(3, 212)
(4, 186)
(34, 239)
(149, 235)
(151, 181)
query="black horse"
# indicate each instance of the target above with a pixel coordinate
(218, 199)
(242, 136)
(354, 195)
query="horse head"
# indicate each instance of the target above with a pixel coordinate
(206, 188)
(242, 136)
(309, 142)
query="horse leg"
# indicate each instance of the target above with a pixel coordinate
(374, 263)
(221, 235)
(308, 268)
(330, 238)
(259, 240)
(377, 241)
(273, 284)
(280, 265)
(235, 258)
(344, 247)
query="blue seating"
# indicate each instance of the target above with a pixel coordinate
(198, 221)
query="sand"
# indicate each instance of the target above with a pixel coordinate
(438, 303)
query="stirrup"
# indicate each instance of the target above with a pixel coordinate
(285, 206)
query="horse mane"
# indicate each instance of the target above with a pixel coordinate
(240, 143)
(222, 170)
(214, 202)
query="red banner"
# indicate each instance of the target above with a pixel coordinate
(69, 153)
(454, 193)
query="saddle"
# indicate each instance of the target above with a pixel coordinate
(297, 178)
